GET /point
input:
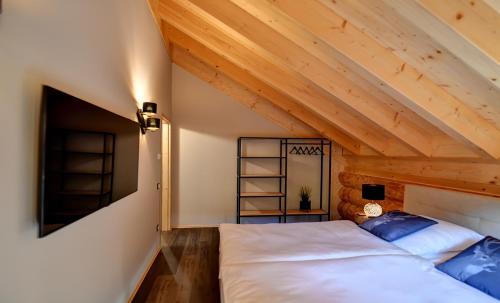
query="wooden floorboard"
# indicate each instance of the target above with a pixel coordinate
(187, 269)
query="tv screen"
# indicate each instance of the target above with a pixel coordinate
(89, 159)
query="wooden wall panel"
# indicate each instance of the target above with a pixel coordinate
(474, 176)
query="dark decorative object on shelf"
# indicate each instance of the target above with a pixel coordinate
(305, 198)
(146, 117)
(308, 151)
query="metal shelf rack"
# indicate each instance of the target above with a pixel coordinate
(312, 147)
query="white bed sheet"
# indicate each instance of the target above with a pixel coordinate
(402, 279)
(252, 243)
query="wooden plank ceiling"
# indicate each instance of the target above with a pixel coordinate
(395, 78)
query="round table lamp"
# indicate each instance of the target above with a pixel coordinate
(373, 192)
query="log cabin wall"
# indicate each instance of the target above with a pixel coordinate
(479, 176)
(349, 194)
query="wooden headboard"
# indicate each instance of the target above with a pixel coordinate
(477, 212)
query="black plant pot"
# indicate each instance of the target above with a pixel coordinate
(305, 205)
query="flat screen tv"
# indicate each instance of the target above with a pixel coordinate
(89, 159)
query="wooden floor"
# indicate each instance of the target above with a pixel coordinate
(186, 270)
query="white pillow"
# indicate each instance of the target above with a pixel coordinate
(438, 239)
(440, 258)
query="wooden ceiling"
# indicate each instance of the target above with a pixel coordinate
(397, 78)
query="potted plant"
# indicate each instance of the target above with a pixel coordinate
(305, 198)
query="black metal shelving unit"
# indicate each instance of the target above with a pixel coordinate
(300, 146)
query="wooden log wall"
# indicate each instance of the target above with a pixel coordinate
(480, 176)
(351, 202)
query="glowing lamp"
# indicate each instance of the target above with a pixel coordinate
(372, 209)
(373, 192)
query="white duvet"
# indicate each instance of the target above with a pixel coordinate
(402, 279)
(253, 243)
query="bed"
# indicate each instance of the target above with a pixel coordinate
(338, 262)
(255, 243)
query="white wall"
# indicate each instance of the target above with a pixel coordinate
(205, 127)
(111, 54)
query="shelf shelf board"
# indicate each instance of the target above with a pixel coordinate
(261, 194)
(72, 213)
(260, 213)
(298, 212)
(82, 193)
(84, 152)
(261, 176)
(98, 173)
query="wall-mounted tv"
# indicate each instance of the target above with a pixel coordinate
(89, 158)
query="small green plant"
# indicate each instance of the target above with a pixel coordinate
(305, 193)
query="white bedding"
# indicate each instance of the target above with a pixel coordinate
(402, 279)
(298, 241)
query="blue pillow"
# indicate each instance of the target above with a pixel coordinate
(478, 266)
(395, 225)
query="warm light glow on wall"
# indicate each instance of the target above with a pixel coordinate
(139, 89)
(139, 73)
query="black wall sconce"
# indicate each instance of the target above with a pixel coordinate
(146, 117)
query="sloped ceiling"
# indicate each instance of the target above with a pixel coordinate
(396, 78)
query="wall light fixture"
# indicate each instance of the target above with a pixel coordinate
(146, 117)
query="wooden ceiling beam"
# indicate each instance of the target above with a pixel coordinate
(318, 72)
(442, 144)
(153, 7)
(494, 4)
(198, 25)
(472, 55)
(413, 45)
(256, 103)
(396, 77)
(472, 19)
(241, 76)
